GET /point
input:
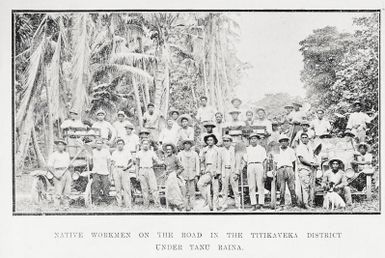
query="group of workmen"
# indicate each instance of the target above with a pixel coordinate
(209, 161)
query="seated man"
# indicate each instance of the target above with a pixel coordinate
(363, 160)
(358, 121)
(336, 176)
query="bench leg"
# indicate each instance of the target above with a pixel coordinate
(368, 187)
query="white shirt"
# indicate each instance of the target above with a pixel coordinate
(310, 134)
(358, 119)
(146, 158)
(206, 113)
(151, 121)
(285, 157)
(306, 152)
(186, 134)
(168, 135)
(365, 158)
(296, 116)
(121, 158)
(266, 123)
(105, 128)
(100, 158)
(120, 128)
(59, 160)
(320, 126)
(131, 142)
(71, 123)
(255, 154)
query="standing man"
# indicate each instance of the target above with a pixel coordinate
(174, 184)
(306, 170)
(169, 134)
(255, 159)
(151, 121)
(358, 122)
(209, 129)
(210, 164)
(320, 125)
(295, 119)
(121, 161)
(336, 176)
(131, 139)
(145, 172)
(191, 169)
(285, 162)
(58, 164)
(120, 124)
(101, 171)
(205, 112)
(218, 129)
(230, 174)
(107, 131)
(236, 102)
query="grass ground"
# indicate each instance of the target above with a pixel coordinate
(24, 204)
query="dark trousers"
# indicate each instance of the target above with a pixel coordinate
(100, 187)
(286, 174)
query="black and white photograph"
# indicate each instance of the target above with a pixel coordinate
(206, 112)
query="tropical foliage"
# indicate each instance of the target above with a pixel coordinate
(116, 61)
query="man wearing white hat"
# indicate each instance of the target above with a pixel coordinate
(235, 120)
(130, 138)
(106, 129)
(73, 121)
(255, 158)
(58, 164)
(120, 124)
(285, 163)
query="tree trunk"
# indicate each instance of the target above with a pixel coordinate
(166, 80)
(49, 143)
(137, 98)
(39, 156)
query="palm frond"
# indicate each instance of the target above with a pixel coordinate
(121, 69)
(32, 74)
(131, 57)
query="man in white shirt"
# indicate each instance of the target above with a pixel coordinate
(320, 125)
(358, 121)
(120, 124)
(145, 172)
(73, 121)
(261, 120)
(363, 159)
(285, 164)
(185, 131)
(151, 121)
(169, 134)
(255, 159)
(235, 120)
(121, 161)
(174, 114)
(131, 139)
(218, 129)
(305, 129)
(230, 174)
(205, 111)
(101, 159)
(306, 170)
(58, 164)
(106, 129)
(249, 118)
